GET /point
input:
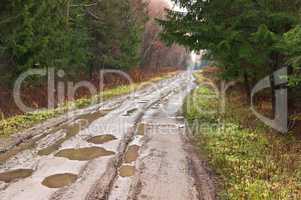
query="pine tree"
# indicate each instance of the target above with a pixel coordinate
(35, 35)
(117, 29)
(243, 37)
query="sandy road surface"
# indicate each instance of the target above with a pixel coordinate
(131, 147)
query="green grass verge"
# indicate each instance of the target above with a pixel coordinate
(17, 123)
(251, 162)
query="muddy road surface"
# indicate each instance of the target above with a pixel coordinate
(131, 147)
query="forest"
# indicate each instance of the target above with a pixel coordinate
(253, 143)
(80, 37)
(247, 40)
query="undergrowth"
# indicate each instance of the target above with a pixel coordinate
(250, 160)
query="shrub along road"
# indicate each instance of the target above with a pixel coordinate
(252, 161)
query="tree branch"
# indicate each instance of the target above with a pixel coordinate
(92, 15)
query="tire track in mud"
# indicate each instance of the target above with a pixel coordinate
(11, 173)
(164, 165)
(121, 186)
(91, 181)
(102, 191)
(30, 141)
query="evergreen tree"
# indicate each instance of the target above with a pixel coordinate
(116, 29)
(35, 35)
(243, 37)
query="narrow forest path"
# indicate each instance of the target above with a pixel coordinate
(132, 147)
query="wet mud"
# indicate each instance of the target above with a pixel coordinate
(126, 171)
(141, 129)
(130, 112)
(59, 180)
(102, 139)
(15, 175)
(84, 154)
(72, 130)
(132, 154)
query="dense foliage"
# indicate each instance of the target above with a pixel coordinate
(79, 36)
(250, 164)
(41, 34)
(247, 39)
(117, 31)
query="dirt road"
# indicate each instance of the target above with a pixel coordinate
(132, 147)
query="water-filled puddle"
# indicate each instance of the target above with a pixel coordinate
(59, 180)
(48, 150)
(141, 129)
(126, 171)
(84, 154)
(102, 139)
(84, 121)
(131, 154)
(15, 175)
(23, 146)
(71, 130)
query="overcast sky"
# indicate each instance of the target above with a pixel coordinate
(194, 57)
(173, 5)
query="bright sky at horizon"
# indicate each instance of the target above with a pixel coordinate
(194, 56)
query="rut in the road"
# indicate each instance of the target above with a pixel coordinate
(155, 164)
(105, 159)
(101, 191)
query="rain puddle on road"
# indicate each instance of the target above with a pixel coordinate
(84, 121)
(47, 151)
(14, 175)
(59, 180)
(131, 154)
(84, 154)
(71, 131)
(24, 146)
(102, 139)
(141, 129)
(126, 171)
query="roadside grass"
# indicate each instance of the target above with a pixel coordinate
(9, 126)
(250, 160)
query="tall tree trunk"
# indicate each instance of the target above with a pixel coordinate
(92, 67)
(247, 87)
(91, 72)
